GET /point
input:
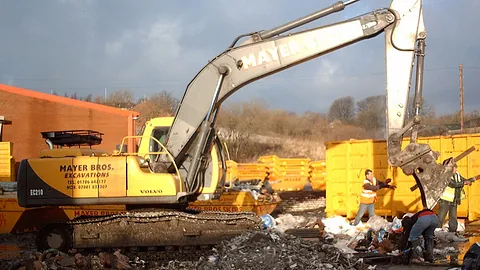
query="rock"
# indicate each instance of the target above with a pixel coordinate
(67, 261)
(95, 262)
(80, 260)
(122, 261)
(107, 260)
(38, 256)
(37, 265)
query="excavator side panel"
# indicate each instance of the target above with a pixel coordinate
(86, 180)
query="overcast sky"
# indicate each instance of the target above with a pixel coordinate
(153, 45)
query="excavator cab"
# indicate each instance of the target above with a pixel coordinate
(154, 131)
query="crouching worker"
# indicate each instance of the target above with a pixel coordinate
(422, 223)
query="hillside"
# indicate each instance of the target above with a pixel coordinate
(252, 129)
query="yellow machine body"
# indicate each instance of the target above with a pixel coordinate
(84, 176)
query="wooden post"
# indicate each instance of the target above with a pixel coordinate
(461, 99)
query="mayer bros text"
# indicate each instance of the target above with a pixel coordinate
(83, 176)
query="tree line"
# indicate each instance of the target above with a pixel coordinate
(252, 129)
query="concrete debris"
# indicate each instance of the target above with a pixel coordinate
(266, 249)
(288, 221)
(301, 202)
(446, 236)
(445, 251)
(340, 246)
(53, 259)
(271, 250)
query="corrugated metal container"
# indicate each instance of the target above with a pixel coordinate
(348, 160)
(7, 163)
(249, 171)
(287, 174)
(317, 175)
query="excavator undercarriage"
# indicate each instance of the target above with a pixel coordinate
(147, 228)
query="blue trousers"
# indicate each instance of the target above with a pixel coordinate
(361, 211)
(425, 226)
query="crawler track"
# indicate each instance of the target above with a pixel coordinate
(148, 228)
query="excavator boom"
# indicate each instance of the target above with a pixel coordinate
(266, 53)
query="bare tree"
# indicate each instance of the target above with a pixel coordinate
(342, 109)
(240, 122)
(159, 105)
(89, 98)
(121, 99)
(371, 112)
(99, 100)
(165, 102)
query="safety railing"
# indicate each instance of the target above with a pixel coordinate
(164, 152)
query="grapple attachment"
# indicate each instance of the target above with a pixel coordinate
(431, 178)
(420, 161)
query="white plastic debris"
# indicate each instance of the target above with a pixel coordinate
(336, 224)
(377, 223)
(396, 225)
(212, 259)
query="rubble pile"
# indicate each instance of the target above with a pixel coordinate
(266, 249)
(53, 259)
(271, 250)
(339, 246)
(288, 221)
(301, 202)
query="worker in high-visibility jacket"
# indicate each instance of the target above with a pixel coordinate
(451, 199)
(368, 197)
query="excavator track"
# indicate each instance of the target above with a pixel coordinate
(147, 228)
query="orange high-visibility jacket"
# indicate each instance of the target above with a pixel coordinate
(368, 196)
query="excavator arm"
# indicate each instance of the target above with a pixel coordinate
(267, 52)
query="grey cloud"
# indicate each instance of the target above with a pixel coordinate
(152, 45)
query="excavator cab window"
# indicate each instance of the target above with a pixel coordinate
(159, 133)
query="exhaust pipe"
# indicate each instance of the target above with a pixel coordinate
(50, 144)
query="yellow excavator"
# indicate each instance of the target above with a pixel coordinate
(188, 166)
